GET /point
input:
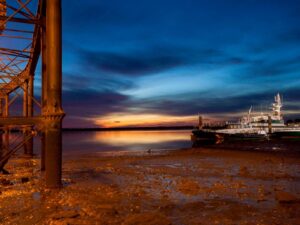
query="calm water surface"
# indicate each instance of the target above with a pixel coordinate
(115, 141)
(100, 141)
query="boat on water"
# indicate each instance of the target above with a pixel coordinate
(260, 126)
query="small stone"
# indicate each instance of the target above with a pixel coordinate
(244, 171)
(285, 197)
(66, 214)
(5, 172)
(150, 218)
(261, 199)
(24, 179)
(5, 182)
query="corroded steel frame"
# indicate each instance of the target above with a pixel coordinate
(17, 69)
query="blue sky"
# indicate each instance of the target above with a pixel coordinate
(174, 59)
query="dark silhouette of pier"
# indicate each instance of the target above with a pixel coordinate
(33, 28)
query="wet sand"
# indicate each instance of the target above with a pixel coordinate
(191, 186)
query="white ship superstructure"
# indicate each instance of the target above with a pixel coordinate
(259, 123)
(262, 120)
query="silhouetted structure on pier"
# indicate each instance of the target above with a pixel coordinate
(28, 30)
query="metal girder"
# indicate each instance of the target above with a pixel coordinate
(20, 20)
(2, 14)
(15, 52)
(28, 16)
(15, 82)
(30, 55)
(18, 121)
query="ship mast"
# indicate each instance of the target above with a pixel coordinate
(277, 107)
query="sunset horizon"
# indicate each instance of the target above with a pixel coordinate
(178, 59)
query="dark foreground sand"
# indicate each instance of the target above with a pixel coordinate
(194, 186)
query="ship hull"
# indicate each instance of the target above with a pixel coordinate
(241, 137)
(204, 134)
(199, 137)
(211, 136)
(286, 134)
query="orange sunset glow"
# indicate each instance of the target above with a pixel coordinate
(139, 137)
(129, 120)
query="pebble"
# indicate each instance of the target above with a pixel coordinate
(66, 214)
(5, 182)
(24, 179)
(285, 197)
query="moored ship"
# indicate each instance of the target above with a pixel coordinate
(251, 127)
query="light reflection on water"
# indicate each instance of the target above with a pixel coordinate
(94, 141)
(139, 137)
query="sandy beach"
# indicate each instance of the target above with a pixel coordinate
(190, 186)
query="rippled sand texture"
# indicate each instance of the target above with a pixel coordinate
(198, 186)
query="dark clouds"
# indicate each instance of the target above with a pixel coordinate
(111, 45)
(154, 59)
(281, 42)
(292, 36)
(205, 104)
(93, 15)
(82, 105)
(96, 81)
(280, 68)
(93, 102)
(134, 63)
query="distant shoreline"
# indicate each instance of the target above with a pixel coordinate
(130, 128)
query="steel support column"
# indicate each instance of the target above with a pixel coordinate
(29, 142)
(1, 129)
(25, 99)
(6, 128)
(53, 113)
(30, 95)
(1, 107)
(1, 143)
(44, 91)
(25, 113)
(6, 106)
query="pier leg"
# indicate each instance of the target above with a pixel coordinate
(53, 153)
(1, 130)
(43, 144)
(25, 113)
(6, 106)
(29, 143)
(44, 93)
(6, 140)
(6, 128)
(1, 143)
(53, 113)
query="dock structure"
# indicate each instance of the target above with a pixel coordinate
(30, 31)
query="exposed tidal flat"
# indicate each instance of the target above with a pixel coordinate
(206, 185)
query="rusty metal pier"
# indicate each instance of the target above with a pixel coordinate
(30, 32)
